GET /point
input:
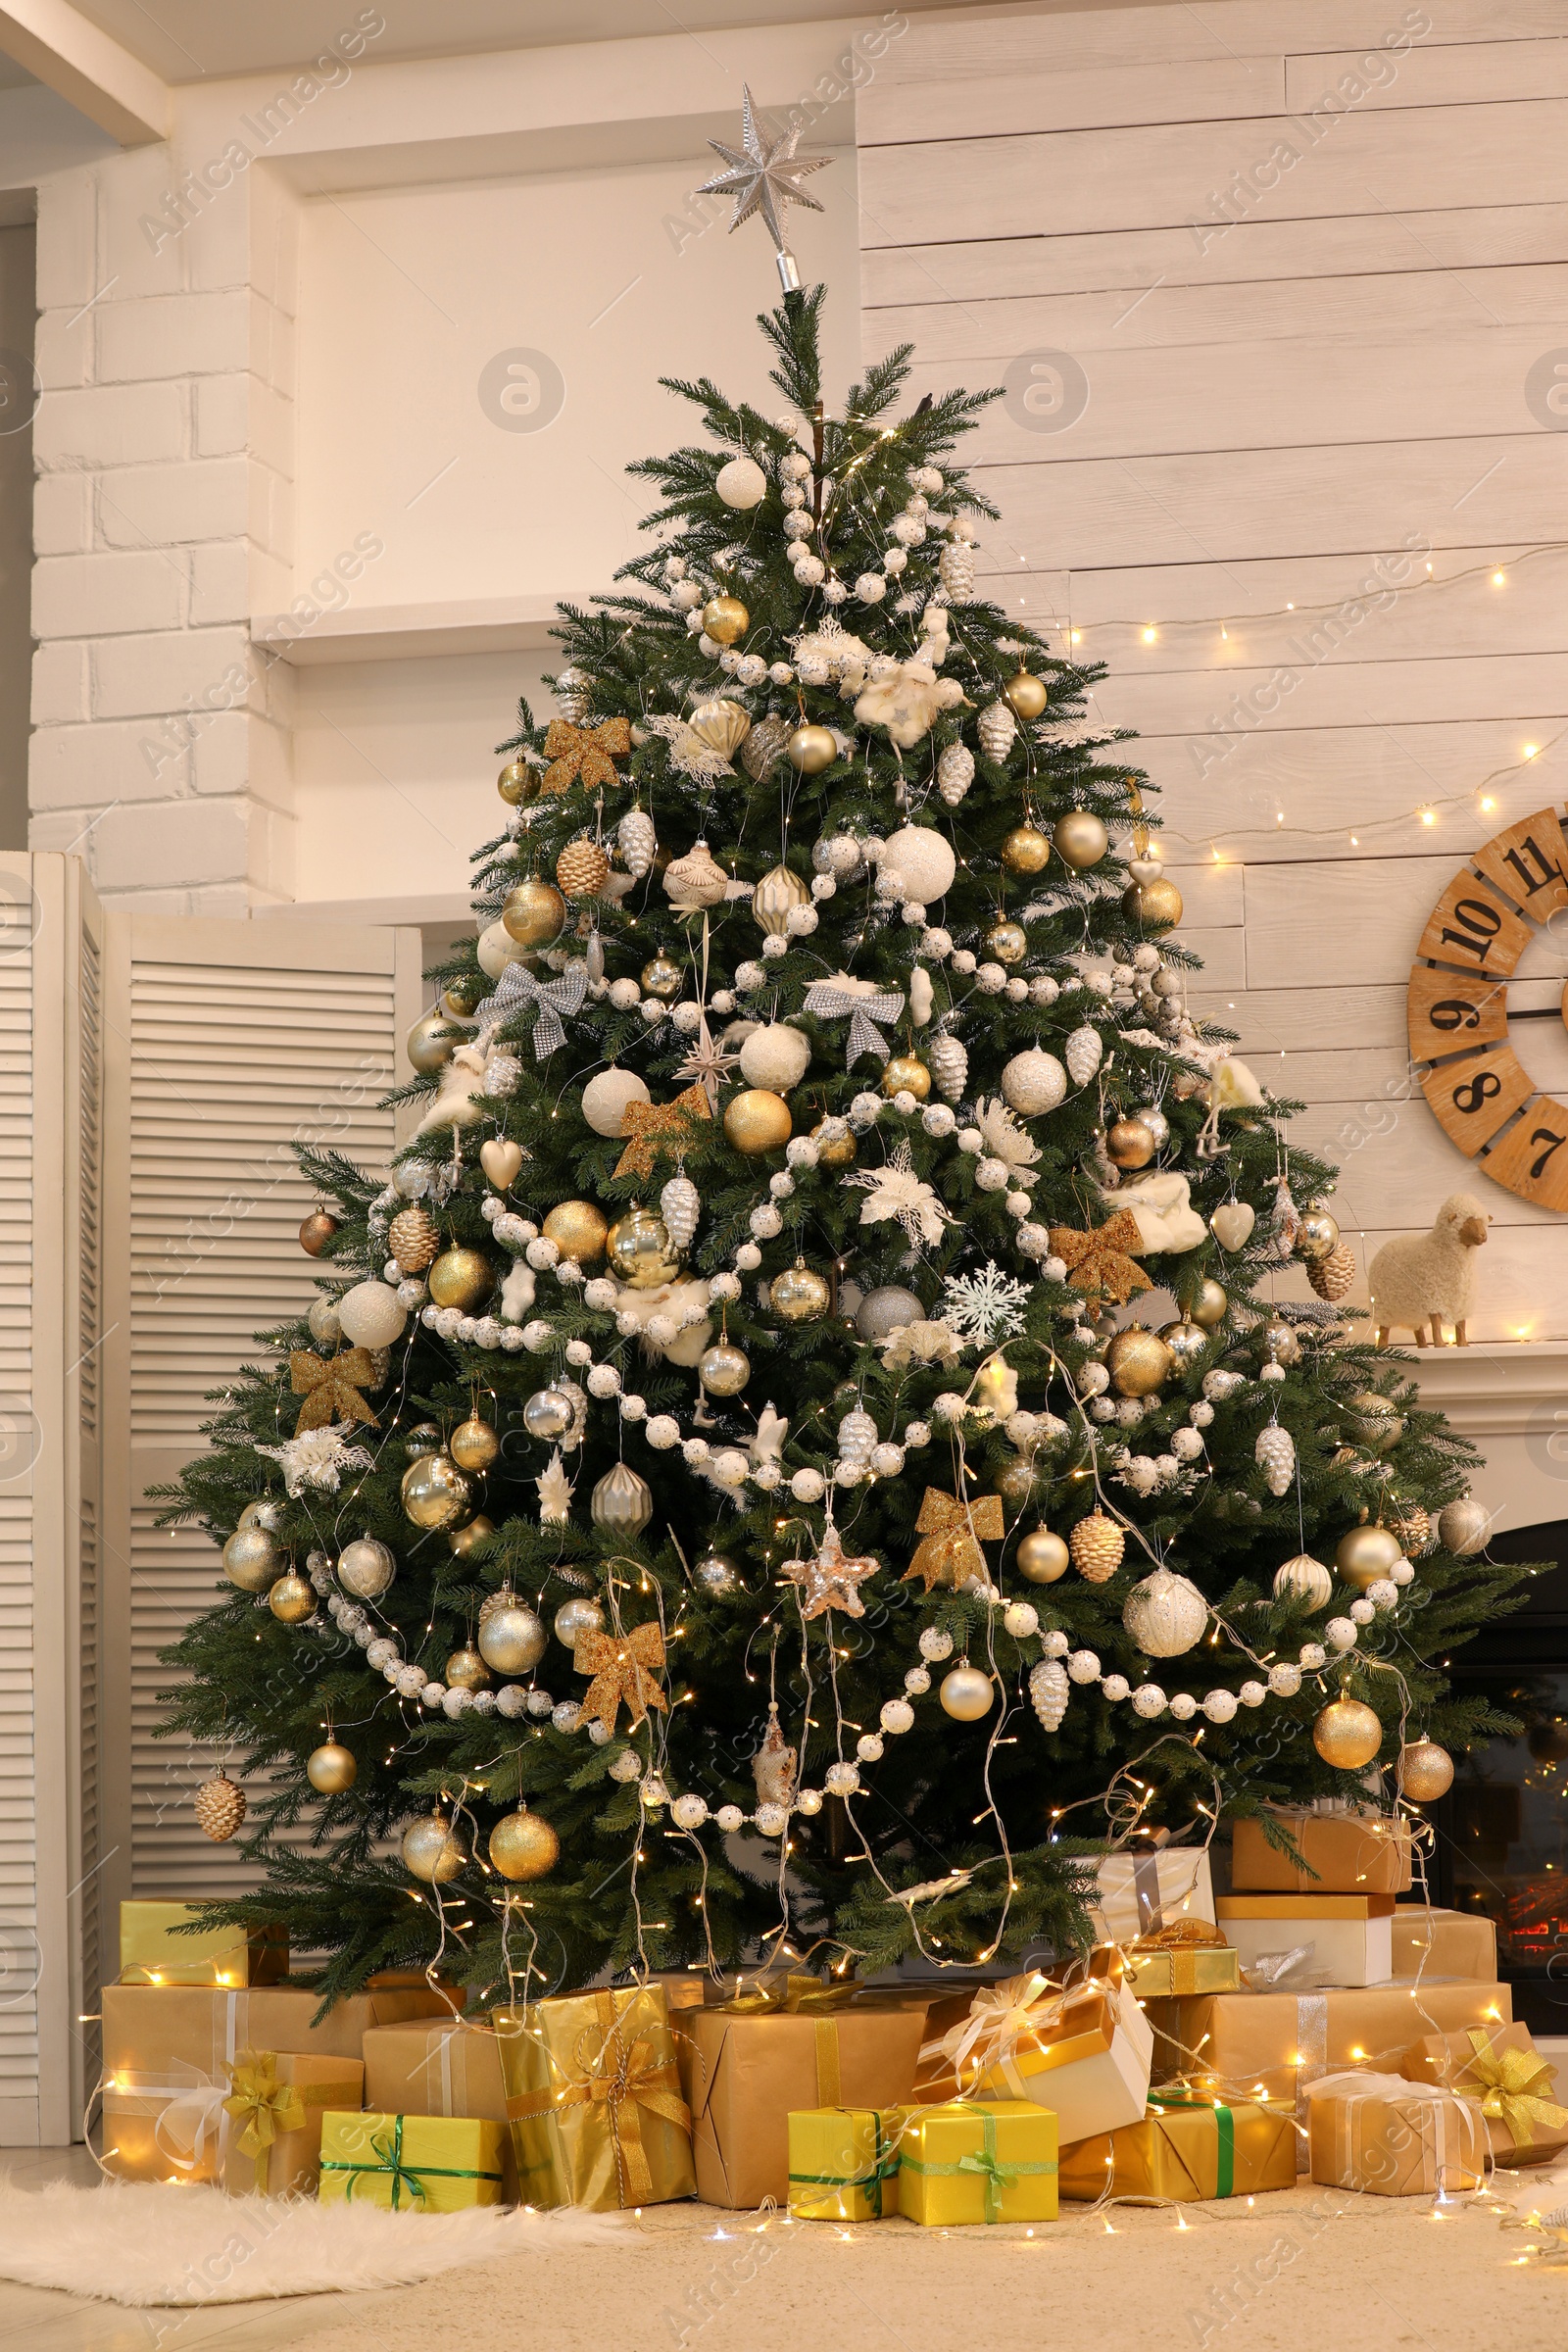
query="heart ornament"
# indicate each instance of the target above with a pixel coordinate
(500, 1161)
(1231, 1225)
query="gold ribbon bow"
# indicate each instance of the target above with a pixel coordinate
(795, 1994)
(951, 1553)
(619, 2078)
(659, 1127)
(331, 1386)
(1100, 1260)
(1515, 2083)
(584, 752)
(263, 2106)
(621, 1664)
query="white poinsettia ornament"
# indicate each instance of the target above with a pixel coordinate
(1007, 1141)
(895, 1191)
(318, 1457)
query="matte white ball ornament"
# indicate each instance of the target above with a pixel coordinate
(776, 1056)
(741, 483)
(965, 1694)
(925, 858)
(1033, 1082)
(371, 1315)
(1166, 1615)
(607, 1094)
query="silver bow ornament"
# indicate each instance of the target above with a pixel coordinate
(864, 1012)
(517, 987)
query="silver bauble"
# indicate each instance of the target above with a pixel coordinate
(717, 1575)
(547, 1414)
(884, 1311)
(579, 1616)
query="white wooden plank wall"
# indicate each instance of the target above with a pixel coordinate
(1327, 388)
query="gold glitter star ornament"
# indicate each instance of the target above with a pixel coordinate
(831, 1581)
(764, 178)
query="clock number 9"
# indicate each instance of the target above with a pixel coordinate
(1455, 1012)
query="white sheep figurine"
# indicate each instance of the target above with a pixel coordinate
(1425, 1277)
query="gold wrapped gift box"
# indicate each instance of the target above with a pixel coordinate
(1392, 2139)
(425, 2163)
(152, 1953)
(844, 2163)
(1174, 1962)
(275, 2109)
(1503, 2072)
(1447, 1943)
(1190, 2146)
(979, 2160)
(593, 2093)
(1346, 1853)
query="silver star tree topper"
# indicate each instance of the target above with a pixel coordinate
(765, 178)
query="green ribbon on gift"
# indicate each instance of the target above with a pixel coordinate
(1225, 2129)
(985, 2161)
(883, 2164)
(390, 2151)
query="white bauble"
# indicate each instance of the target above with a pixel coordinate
(1033, 1082)
(1166, 1615)
(776, 1056)
(741, 483)
(606, 1097)
(371, 1315)
(925, 858)
(497, 949)
(1304, 1579)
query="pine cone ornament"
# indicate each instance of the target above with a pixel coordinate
(219, 1807)
(503, 1075)
(955, 773)
(1413, 1527)
(1096, 1544)
(582, 869)
(1333, 1276)
(949, 1065)
(1082, 1053)
(414, 1238)
(1275, 1453)
(573, 694)
(997, 728)
(1049, 1692)
(637, 841)
(957, 570)
(763, 746)
(680, 1205)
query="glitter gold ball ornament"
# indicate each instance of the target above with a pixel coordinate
(432, 1851)
(810, 749)
(582, 869)
(523, 1845)
(1043, 1557)
(218, 1807)
(1304, 1579)
(414, 1239)
(1156, 905)
(800, 1295)
(764, 747)
(725, 618)
(721, 725)
(435, 1493)
(317, 1231)
(577, 1229)
(1317, 1236)
(1137, 1360)
(1081, 840)
(465, 1670)
(757, 1121)
(1424, 1770)
(366, 1568)
(839, 1153)
(1185, 1341)
(473, 1444)
(1026, 850)
(292, 1598)
(1129, 1143)
(623, 1503)
(517, 782)
(1025, 695)
(724, 1369)
(535, 914)
(462, 1539)
(1334, 1276)
(777, 894)
(1006, 943)
(430, 1042)
(660, 978)
(1373, 1419)
(640, 1251)
(906, 1074)
(1364, 1555)
(1208, 1307)
(1096, 1544)
(1165, 1615)
(251, 1559)
(331, 1768)
(1346, 1734)
(512, 1638)
(965, 1694)
(460, 1277)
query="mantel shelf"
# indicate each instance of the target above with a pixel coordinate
(486, 624)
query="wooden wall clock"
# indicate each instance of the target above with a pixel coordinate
(1482, 1095)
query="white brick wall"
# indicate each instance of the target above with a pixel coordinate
(164, 445)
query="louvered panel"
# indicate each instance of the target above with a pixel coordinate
(88, 1860)
(19, 1772)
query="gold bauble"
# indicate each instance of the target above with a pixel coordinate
(517, 782)
(724, 1369)
(424, 1437)
(435, 1493)
(965, 1694)
(1208, 1307)
(462, 1539)
(1008, 943)
(317, 1231)
(810, 750)
(1137, 1360)
(775, 898)
(640, 1251)
(1347, 1734)
(722, 724)
(414, 1238)
(462, 999)
(1373, 1418)
(757, 1121)
(251, 1559)
(1424, 1772)
(430, 1042)
(726, 617)
(800, 1295)
(1185, 1341)
(523, 1845)
(1317, 1236)
(1026, 850)
(840, 1154)
(907, 1074)
(660, 978)
(1365, 1554)
(292, 1599)
(465, 1670)
(366, 1568)
(331, 1768)
(460, 1277)
(1042, 1556)
(1156, 905)
(1081, 839)
(1129, 1143)
(432, 1851)
(582, 869)
(512, 1636)
(1025, 695)
(473, 1444)
(577, 1230)
(535, 913)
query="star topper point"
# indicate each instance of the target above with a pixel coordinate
(764, 176)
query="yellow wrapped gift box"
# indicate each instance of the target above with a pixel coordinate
(844, 2163)
(428, 2163)
(151, 1952)
(1190, 2146)
(594, 2096)
(979, 2160)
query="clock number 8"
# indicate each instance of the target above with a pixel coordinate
(1469, 1098)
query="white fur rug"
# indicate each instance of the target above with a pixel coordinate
(125, 2243)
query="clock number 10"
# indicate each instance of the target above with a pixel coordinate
(1481, 924)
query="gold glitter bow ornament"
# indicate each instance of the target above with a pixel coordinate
(1100, 1260)
(587, 754)
(1514, 2084)
(659, 1127)
(263, 2106)
(331, 1386)
(621, 1665)
(954, 1532)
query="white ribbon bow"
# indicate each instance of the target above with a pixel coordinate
(998, 2015)
(831, 1003)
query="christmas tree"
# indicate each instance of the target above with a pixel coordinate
(718, 1503)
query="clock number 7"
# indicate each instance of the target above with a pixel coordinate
(1553, 1142)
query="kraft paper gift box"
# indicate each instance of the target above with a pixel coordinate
(594, 2098)
(419, 2163)
(1448, 1944)
(170, 2052)
(1086, 2055)
(1347, 1853)
(844, 2163)
(1505, 2075)
(979, 2160)
(276, 2110)
(1136, 1893)
(442, 2066)
(1190, 2145)
(151, 1953)
(1340, 1940)
(1394, 2138)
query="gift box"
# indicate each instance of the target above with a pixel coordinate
(1503, 2072)
(844, 2163)
(276, 2106)
(1346, 1853)
(442, 2066)
(427, 2163)
(170, 2052)
(152, 1953)
(1443, 1943)
(1190, 2145)
(1086, 2054)
(778, 2049)
(1189, 1956)
(1394, 2138)
(1137, 1893)
(594, 2098)
(1298, 1939)
(979, 2160)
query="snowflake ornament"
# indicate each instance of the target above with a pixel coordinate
(985, 1306)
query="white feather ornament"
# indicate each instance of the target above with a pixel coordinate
(1049, 1692)
(955, 773)
(1082, 1055)
(680, 1205)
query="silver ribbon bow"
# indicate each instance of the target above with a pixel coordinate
(517, 987)
(831, 1003)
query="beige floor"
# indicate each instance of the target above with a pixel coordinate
(1306, 2268)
